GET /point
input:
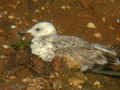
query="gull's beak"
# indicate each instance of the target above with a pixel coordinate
(25, 32)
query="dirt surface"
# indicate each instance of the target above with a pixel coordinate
(94, 20)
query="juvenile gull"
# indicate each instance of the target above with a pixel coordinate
(47, 44)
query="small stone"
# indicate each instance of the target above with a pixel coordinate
(27, 79)
(42, 8)
(111, 28)
(35, 1)
(3, 56)
(97, 84)
(13, 26)
(68, 7)
(98, 35)
(20, 22)
(63, 7)
(37, 10)
(13, 6)
(5, 12)
(80, 86)
(1, 30)
(34, 20)
(112, 1)
(5, 46)
(23, 38)
(11, 17)
(12, 77)
(118, 20)
(104, 19)
(75, 81)
(91, 25)
(118, 38)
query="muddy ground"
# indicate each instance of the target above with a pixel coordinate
(20, 70)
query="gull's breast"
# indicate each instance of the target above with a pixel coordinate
(43, 49)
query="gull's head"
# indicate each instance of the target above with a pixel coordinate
(42, 29)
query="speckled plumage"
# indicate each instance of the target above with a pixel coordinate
(46, 44)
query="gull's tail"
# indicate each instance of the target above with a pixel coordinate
(113, 53)
(113, 56)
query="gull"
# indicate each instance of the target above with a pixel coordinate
(46, 44)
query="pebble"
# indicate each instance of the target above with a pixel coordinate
(1, 30)
(118, 20)
(68, 7)
(37, 10)
(13, 26)
(11, 17)
(42, 8)
(12, 77)
(20, 22)
(5, 12)
(98, 84)
(103, 19)
(76, 82)
(118, 38)
(112, 1)
(91, 25)
(5, 46)
(80, 87)
(2, 57)
(65, 7)
(98, 35)
(34, 20)
(26, 80)
(35, 1)
(111, 28)
(23, 38)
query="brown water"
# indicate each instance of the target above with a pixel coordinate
(71, 18)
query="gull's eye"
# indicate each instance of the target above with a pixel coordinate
(37, 29)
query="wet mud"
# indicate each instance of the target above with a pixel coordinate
(97, 21)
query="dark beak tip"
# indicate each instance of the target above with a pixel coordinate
(21, 33)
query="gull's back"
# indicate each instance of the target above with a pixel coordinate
(81, 51)
(64, 42)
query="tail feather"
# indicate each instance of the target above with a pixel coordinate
(112, 53)
(105, 49)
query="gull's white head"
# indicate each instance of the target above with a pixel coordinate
(42, 29)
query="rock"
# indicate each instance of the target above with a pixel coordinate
(13, 26)
(91, 25)
(11, 17)
(98, 35)
(5, 46)
(97, 84)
